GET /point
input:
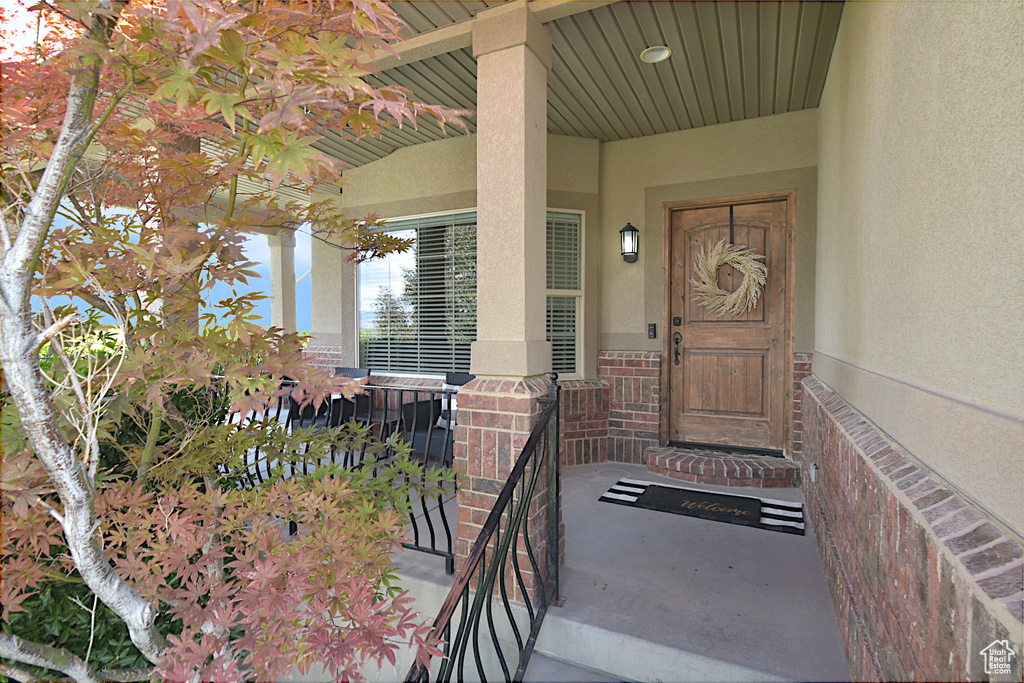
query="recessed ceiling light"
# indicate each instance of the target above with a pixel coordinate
(655, 54)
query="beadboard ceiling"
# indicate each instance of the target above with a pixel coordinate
(730, 61)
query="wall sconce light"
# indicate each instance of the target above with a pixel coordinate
(630, 243)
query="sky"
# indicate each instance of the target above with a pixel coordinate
(373, 276)
(257, 250)
(21, 27)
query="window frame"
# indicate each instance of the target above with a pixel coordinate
(358, 309)
(577, 294)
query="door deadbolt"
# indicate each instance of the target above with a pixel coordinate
(677, 321)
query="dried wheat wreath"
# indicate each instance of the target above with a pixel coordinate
(716, 299)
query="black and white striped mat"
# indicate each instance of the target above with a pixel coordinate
(776, 515)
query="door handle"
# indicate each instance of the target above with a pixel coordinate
(677, 338)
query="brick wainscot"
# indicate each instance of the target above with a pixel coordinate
(634, 390)
(583, 421)
(801, 370)
(922, 581)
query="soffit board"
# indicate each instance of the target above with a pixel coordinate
(730, 61)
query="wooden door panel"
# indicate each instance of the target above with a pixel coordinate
(729, 384)
(725, 382)
(703, 239)
(742, 431)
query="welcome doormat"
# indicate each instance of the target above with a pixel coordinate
(761, 513)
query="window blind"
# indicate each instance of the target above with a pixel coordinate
(562, 333)
(422, 318)
(418, 310)
(564, 285)
(563, 267)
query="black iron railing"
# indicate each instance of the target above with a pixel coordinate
(418, 416)
(423, 420)
(503, 651)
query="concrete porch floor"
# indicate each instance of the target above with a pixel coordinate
(652, 596)
(743, 603)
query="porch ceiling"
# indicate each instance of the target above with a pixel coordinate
(730, 61)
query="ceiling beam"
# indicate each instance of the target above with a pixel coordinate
(550, 10)
(430, 44)
(460, 35)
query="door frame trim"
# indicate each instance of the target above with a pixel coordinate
(789, 291)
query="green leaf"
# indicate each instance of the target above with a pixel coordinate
(233, 46)
(225, 103)
(295, 158)
(261, 146)
(178, 84)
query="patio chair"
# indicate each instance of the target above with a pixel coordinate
(458, 378)
(256, 469)
(428, 424)
(359, 407)
(453, 381)
(332, 412)
(327, 415)
(419, 421)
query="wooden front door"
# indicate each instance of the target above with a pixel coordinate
(729, 376)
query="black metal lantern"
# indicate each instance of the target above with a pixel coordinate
(630, 243)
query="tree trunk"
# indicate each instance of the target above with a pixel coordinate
(19, 345)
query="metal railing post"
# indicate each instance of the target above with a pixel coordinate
(554, 492)
(494, 552)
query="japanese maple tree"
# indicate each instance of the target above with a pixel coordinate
(142, 142)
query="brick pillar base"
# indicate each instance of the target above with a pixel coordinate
(494, 422)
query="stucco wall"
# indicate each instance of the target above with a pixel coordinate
(441, 176)
(613, 183)
(920, 297)
(422, 171)
(638, 176)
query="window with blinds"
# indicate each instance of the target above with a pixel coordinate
(564, 288)
(417, 310)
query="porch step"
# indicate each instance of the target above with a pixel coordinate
(596, 654)
(722, 468)
(568, 649)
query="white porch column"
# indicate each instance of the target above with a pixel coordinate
(335, 295)
(513, 52)
(282, 280)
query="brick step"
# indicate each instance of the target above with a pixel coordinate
(722, 468)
